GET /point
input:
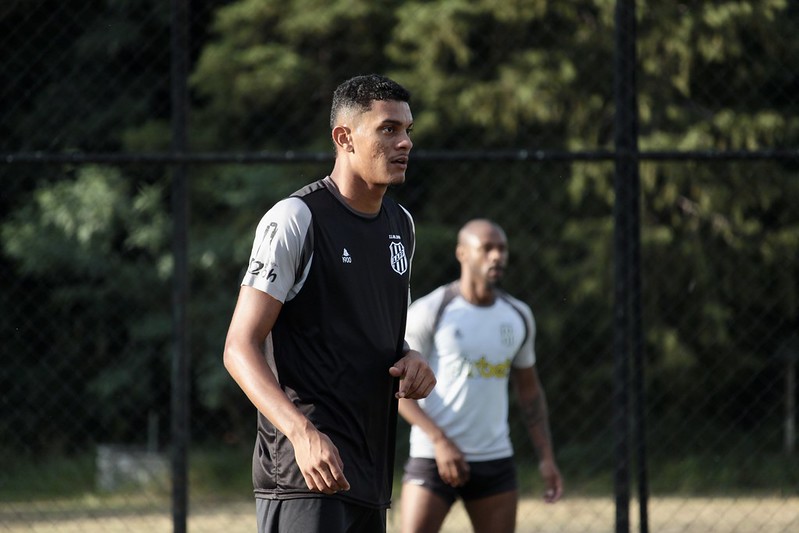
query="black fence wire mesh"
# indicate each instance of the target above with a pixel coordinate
(517, 119)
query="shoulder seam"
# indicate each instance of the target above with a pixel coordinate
(451, 290)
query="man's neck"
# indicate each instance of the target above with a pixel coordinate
(480, 294)
(358, 194)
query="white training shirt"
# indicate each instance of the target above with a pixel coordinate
(471, 352)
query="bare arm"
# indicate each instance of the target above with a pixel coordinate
(452, 465)
(533, 404)
(253, 319)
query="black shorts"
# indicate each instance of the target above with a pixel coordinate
(486, 478)
(317, 515)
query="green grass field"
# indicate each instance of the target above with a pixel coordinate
(571, 515)
(59, 495)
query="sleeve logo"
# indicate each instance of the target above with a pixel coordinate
(257, 269)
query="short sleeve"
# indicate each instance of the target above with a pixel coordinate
(419, 331)
(277, 251)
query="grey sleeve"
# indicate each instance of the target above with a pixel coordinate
(419, 331)
(277, 250)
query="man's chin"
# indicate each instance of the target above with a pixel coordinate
(397, 179)
(494, 281)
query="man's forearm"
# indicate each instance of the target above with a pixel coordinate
(536, 420)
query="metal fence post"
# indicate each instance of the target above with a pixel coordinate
(627, 294)
(180, 212)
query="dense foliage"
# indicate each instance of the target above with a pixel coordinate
(86, 253)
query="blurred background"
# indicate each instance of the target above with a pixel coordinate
(107, 176)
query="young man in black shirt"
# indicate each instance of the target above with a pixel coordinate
(317, 337)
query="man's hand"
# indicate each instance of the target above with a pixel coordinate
(552, 480)
(452, 465)
(319, 462)
(416, 377)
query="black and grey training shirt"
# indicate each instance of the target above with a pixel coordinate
(344, 280)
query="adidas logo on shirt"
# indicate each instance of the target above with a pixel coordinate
(345, 257)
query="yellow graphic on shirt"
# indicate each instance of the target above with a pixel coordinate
(482, 368)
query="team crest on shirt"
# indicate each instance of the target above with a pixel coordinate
(399, 261)
(506, 334)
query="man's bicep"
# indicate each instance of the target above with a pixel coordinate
(254, 316)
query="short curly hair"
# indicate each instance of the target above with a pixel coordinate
(359, 92)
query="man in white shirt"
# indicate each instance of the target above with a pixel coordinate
(476, 338)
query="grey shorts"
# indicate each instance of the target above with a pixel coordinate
(486, 478)
(317, 515)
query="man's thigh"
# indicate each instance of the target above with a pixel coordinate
(491, 496)
(317, 515)
(421, 509)
(493, 514)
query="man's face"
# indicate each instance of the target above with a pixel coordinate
(484, 254)
(381, 142)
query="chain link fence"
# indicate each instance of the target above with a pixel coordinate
(514, 108)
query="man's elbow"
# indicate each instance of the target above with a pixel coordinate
(230, 356)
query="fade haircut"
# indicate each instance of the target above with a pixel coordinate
(359, 92)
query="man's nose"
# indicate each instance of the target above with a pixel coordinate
(406, 142)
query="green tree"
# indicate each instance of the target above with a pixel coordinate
(265, 78)
(93, 251)
(720, 240)
(711, 76)
(83, 82)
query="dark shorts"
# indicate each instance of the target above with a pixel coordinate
(486, 478)
(317, 515)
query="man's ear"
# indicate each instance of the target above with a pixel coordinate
(459, 253)
(342, 138)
